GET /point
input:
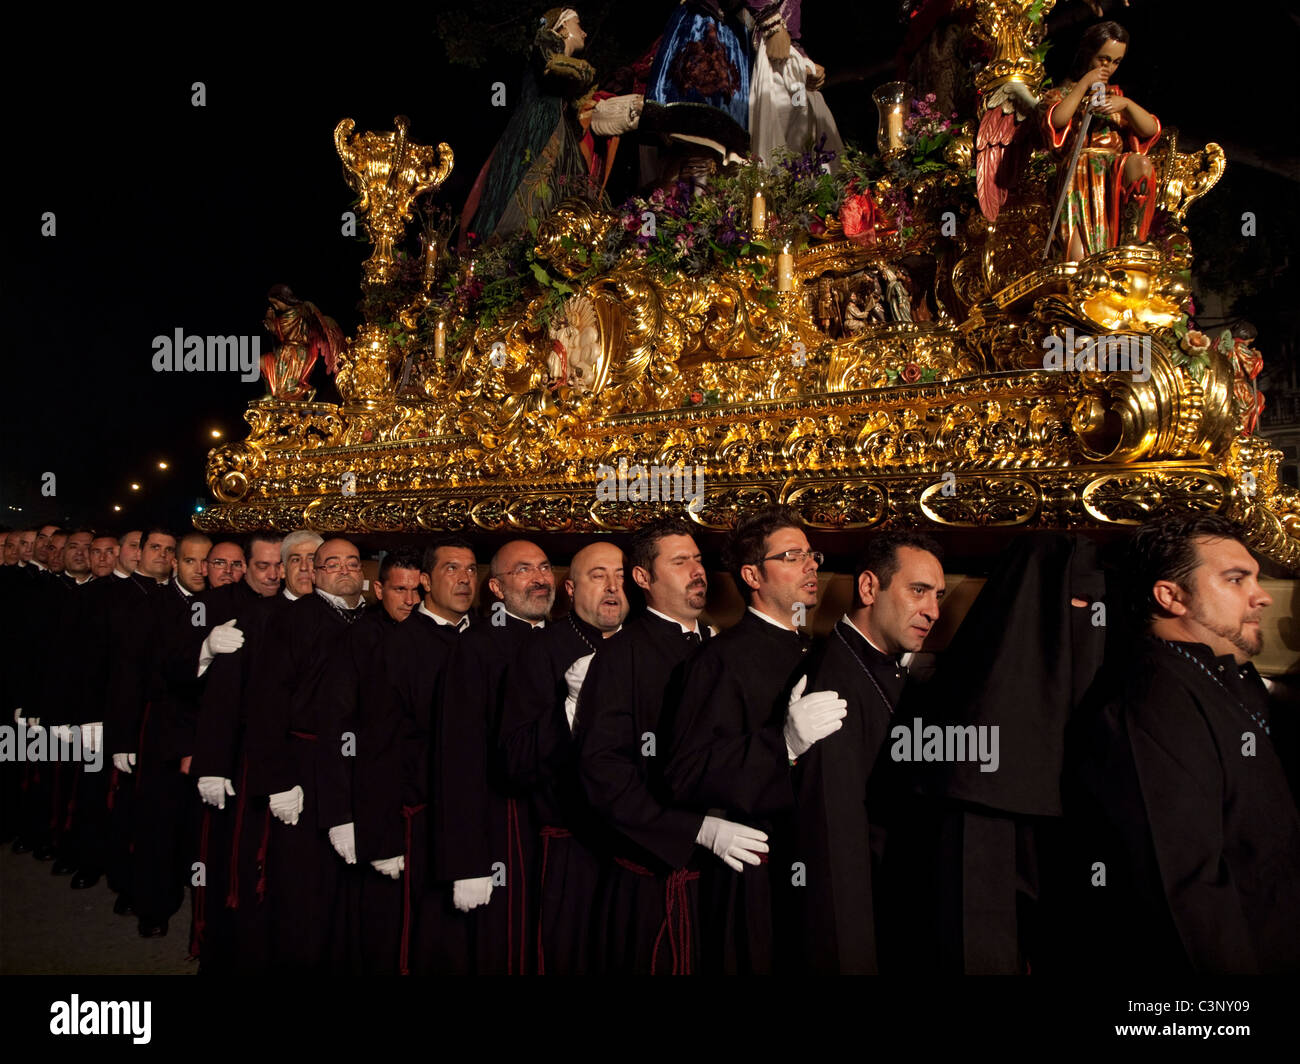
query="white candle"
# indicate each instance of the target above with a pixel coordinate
(785, 271)
(895, 127)
(758, 214)
(440, 339)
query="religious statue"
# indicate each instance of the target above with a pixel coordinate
(1108, 185)
(304, 335)
(786, 107)
(900, 303)
(698, 92)
(539, 159)
(575, 345)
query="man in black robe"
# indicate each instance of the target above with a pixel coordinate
(356, 676)
(129, 625)
(167, 808)
(40, 595)
(728, 748)
(287, 762)
(1188, 854)
(978, 857)
(240, 933)
(645, 912)
(537, 743)
(406, 918)
(89, 835)
(828, 907)
(480, 846)
(219, 731)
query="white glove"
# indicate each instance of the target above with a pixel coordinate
(467, 894)
(812, 717)
(34, 723)
(286, 806)
(213, 790)
(732, 842)
(223, 639)
(616, 115)
(390, 866)
(574, 675)
(19, 719)
(92, 737)
(344, 840)
(124, 762)
(61, 732)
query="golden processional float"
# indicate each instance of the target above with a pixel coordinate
(506, 420)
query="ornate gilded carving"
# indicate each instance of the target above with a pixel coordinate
(387, 172)
(955, 420)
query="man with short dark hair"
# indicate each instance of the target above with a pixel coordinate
(103, 555)
(476, 815)
(646, 906)
(128, 555)
(133, 630)
(828, 922)
(408, 922)
(729, 749)
(537, 742)
(1189, 853)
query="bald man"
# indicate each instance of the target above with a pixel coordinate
(226, 564)
(286, 726)
(481, 847)
(192, 562)
(537, 743)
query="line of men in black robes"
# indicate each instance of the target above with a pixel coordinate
(407, 788)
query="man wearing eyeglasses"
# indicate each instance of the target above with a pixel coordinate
(285, 761)
(842, 778)
(225, 564)
(405, 916)
(479, 836)
(731, 748)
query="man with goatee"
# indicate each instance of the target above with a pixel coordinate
(226, 563)
(1188, 850)
(729, 748)
(537, 741)
(481, 846)
(407, 920)
(646, 909)
(285, 760)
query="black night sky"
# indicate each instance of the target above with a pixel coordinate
(174, 216)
